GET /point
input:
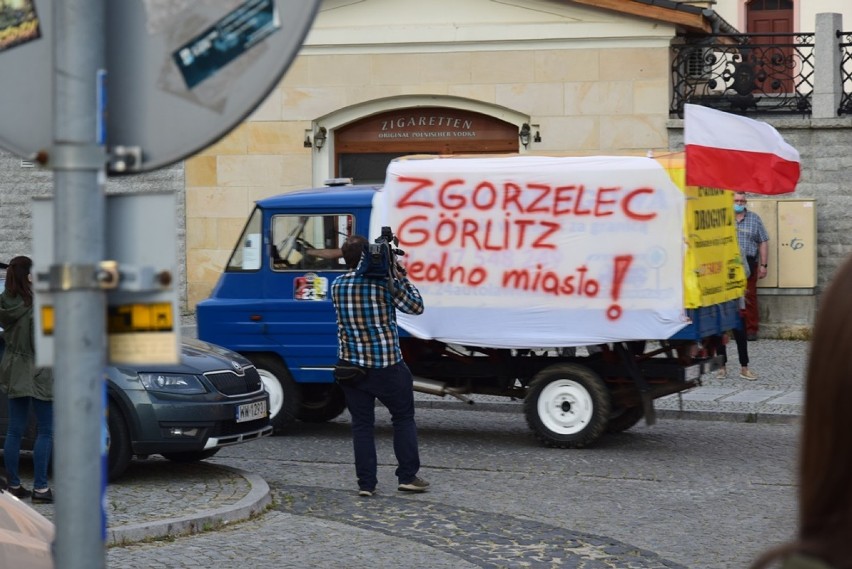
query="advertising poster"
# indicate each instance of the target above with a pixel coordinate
(713, 270)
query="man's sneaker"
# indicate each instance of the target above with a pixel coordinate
(19, 492)
(416, 485)
(45, 497)
(366, 493)
(748, 374)
(721, 373)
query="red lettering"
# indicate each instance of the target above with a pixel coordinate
(601, 201)
(415, 270)
(451, 201)
(419, 184)
(539, 280)
(581, 189)
(512, 195)
(534, 207)
(522, 225)
(412, 237)
(491, 247)
(625, 205)
(551, 228)
(469, 229)
(491, 197)
(560, 196)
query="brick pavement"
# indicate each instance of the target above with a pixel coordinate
(171, 499)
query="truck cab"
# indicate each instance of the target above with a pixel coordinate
(272, 301)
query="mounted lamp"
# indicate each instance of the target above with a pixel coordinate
(524, 134)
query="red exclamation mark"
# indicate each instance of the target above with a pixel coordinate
(622, 265)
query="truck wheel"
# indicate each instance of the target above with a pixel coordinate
(567, 406)
(321, 402)
(119, 451)
(623, 419)
(283, 392)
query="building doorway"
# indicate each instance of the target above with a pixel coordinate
(772, 54)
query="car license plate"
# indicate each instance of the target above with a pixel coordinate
(692, 372)
(251, 411)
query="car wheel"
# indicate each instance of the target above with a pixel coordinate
(119, 449)
(567, 406)
(190, 456)
(321, 402)
(283, 393)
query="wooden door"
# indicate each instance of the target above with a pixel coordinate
(774, 64)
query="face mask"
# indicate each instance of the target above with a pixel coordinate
(739, 208)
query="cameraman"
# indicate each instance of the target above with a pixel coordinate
(369, 344)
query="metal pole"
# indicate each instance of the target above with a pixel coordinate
(78, 159)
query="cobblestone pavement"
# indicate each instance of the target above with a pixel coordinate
(678, 494)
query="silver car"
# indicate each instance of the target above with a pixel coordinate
(185, 412)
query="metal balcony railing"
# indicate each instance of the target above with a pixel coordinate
(745, 73)
(845, 72)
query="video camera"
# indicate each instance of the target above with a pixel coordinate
(380, 257)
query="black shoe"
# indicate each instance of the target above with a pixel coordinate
(45, 497)
(19, 492)
(416, 485)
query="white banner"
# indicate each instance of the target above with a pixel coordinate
(530, 251)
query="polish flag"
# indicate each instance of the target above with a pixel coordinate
(736, 153)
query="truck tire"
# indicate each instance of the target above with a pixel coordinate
(321, 402)
(283, 392)
(624, 418)
(567, 406)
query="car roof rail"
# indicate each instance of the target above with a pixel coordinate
(338, 182)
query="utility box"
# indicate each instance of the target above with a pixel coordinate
(792, 228)
(797, 244)
(768, 212)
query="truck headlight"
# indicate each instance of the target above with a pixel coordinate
(172, 383)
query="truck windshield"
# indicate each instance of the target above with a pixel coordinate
(247, 254)
(309, 242)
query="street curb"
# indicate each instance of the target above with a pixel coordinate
(252, 504)
(691, 414)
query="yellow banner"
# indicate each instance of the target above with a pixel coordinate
(713, 270)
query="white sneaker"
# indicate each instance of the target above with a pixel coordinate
(721, 373)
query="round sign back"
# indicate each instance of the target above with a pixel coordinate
(180, 74)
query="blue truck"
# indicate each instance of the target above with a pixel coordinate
(272, 305)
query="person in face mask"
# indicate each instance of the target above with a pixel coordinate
(753, 240)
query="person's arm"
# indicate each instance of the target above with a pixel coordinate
(330, 254)
(763, 259)
(406, 297)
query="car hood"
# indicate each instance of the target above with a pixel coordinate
(197, 357)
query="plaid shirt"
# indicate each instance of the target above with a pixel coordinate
(366, 318)
(750, 234)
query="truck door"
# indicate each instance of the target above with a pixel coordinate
(304, 259)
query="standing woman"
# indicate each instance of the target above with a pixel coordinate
(23, 383)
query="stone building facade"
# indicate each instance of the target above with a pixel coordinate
(578, 78)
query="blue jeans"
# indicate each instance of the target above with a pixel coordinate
(393, 387)
(19, 410)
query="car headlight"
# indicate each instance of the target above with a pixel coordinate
(172, 383)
